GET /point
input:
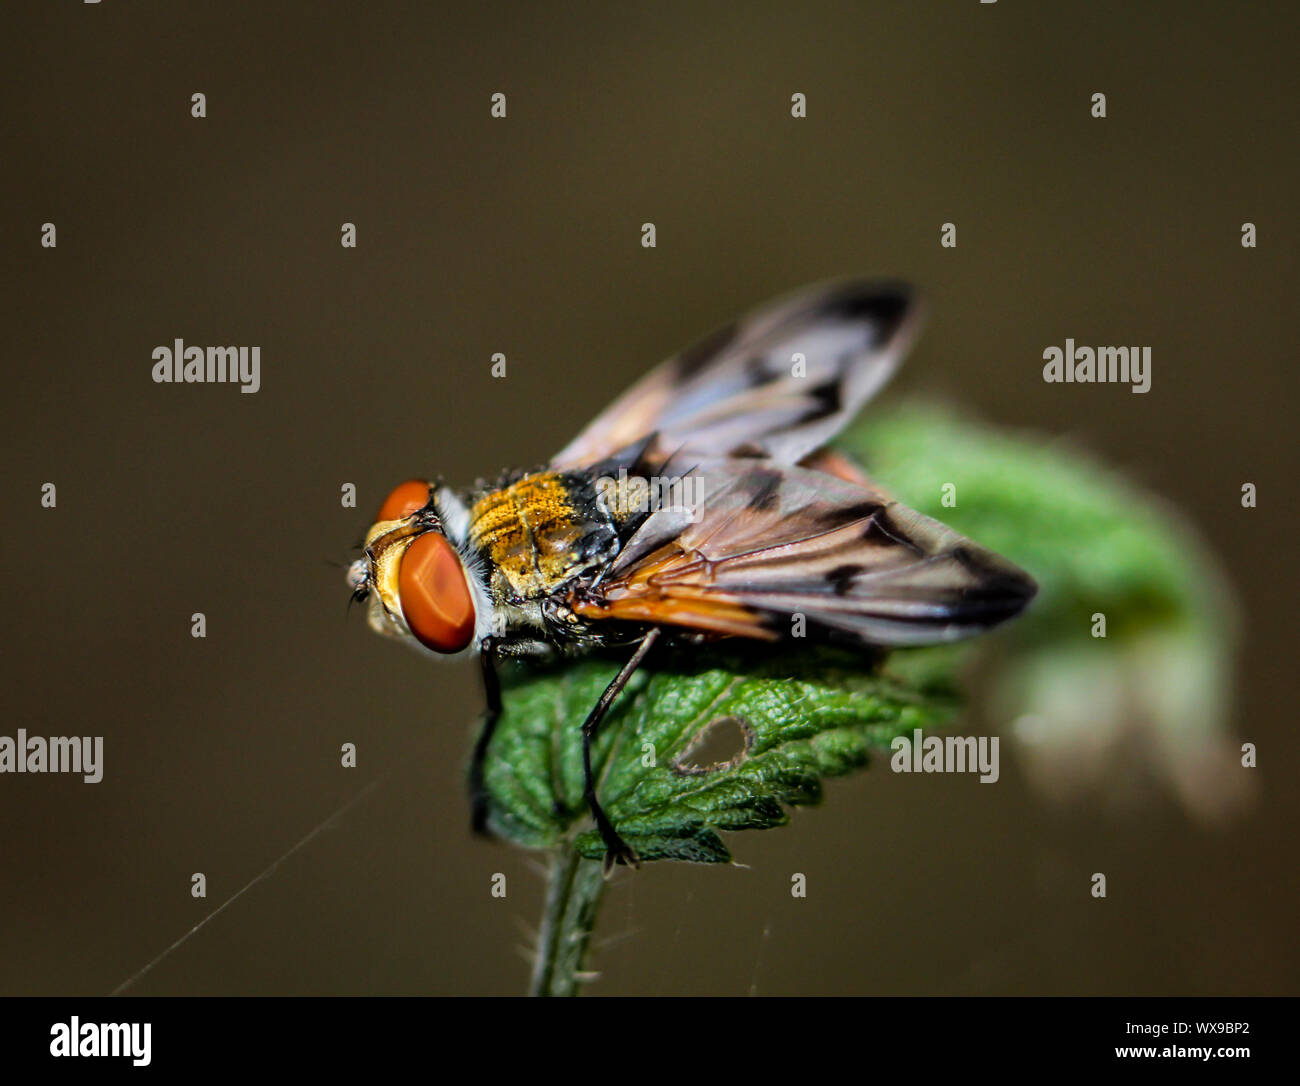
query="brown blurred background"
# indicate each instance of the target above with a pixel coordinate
(523, 236)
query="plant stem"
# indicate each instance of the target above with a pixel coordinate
(572, 897)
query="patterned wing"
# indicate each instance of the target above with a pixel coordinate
(751, 545)
(780, 382)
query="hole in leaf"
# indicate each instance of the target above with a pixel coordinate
(723, 743)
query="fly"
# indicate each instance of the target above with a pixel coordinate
(700, 504)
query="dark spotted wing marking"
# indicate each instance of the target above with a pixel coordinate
(737, 392)
(763, 543)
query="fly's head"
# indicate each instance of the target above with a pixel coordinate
(417, 585)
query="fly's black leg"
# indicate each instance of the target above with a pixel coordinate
(492, 694)
(616, 849)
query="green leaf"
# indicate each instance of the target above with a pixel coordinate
(1094, 543)
(1156, 689)
(698, 744)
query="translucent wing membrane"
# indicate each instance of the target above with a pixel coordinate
(780, 382)
(762, 544)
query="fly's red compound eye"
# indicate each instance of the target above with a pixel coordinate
(435, 596)
(405, 500)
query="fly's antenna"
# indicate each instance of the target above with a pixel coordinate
(359, 595)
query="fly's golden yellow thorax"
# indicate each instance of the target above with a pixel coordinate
(540, 532)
